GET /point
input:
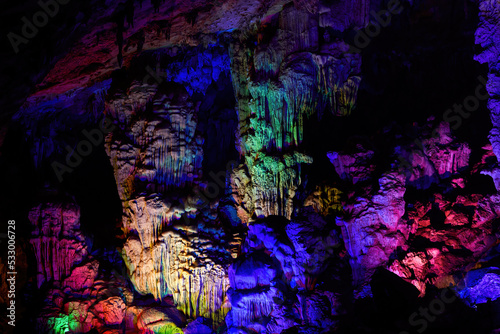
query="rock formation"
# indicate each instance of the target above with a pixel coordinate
(263, 166)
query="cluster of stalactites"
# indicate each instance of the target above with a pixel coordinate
(56, 257)
(307, 84)
(56, 240)
(197, 284)
(275, 103)
(160, 150)
(179, 266)
(267, 185)
(173, 152)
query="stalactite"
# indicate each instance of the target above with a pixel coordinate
(56, 240)
(198, 290)
(274, 183)
(275, 107)
(166, 153)
(251, 307)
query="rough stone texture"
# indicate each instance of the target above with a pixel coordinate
(480, 286)
(353, 167)
(156, 152)
(161, 150)
(464, 231)
(433, 156)
(375, 229)
(57, 240)
(286, 257)
(269, 187)
(196, 289)
(488, 38)
(160, 319)
(199, 326)
(89, 299)
(261, 246)
(270, 81)
(110, 311)
(174, 244)
(82, 277)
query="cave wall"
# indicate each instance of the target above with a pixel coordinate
(263, 166)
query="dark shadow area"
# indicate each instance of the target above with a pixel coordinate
(419, 66)
(94, 187)
(217, 122)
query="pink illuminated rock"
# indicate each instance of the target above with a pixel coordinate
(264, 245)
(82, 277)
(131, 317)
(111, 310)
(465, 224)
(110, 331)
(374, 229)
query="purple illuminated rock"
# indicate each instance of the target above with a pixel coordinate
(255, 270)
(57, 240)
(300, 251)
(487, 36)
(375, 228)
(481, 286)
(353, 167)
(198, 326)
(434, 156)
